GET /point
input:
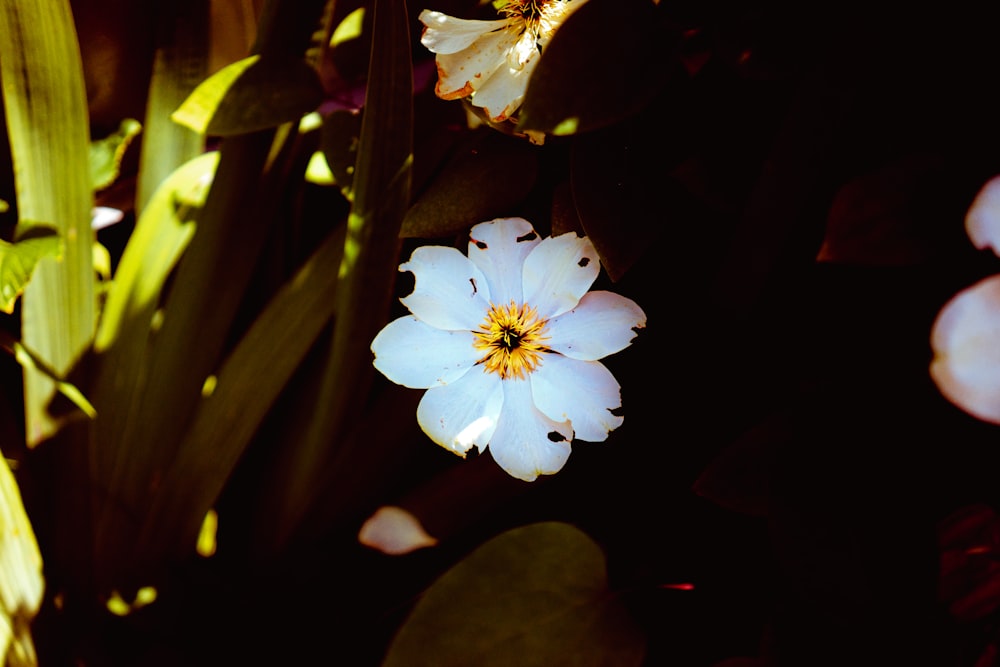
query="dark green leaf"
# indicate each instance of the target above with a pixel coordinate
(604, 64)
(252, 94)
(339, 142)
(486, 176)
(534, 596)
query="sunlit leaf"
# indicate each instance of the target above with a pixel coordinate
(21, 583)
(350, 28)
(534, 596)
(604, 64)
(4, 206)
(18, 261)
(486, 177)
(30, 361)
(46, 111)
(106, 154)
(252, 94)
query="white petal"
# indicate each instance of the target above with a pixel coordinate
(498, 248)
(966, 342)
(463, 414)
(527, 443)
(601, 324)
(394, 531)
(982, 222)
(449, 292)
(558, 273)
(447, 34)
(584, 392)
(416, 355)
(502, 93)
(461, 74)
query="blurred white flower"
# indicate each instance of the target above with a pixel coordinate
(507, 341)
(966, 334)
(491, 61)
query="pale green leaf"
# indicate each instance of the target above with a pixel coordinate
(533, 597)
(252, 94)
(106, 154)
(18, 261)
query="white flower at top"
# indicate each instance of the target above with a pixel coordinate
(507, 341)
(491, 61)
(966, 334)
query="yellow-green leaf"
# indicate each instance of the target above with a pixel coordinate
(18, 261)
(252, 94)
(534, 596)
(106, 154)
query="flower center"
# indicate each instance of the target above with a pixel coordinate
(512, 337)
(535, 21)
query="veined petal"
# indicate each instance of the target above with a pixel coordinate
(501, 95)
(584, 392)
(526, 443)
(416, 355)
(463, 414)
(447, 34)
(982, 222)
(449, 291)
(601, 324)
(460, 74)
(966, 342)
(498, 248)
(558, 272)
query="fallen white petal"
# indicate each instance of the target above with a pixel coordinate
(526, 443)
(498, 248)
(601, 324)
(394, 531)
(558, 272)
(966, 343)
(449, 292)
(446, 34)
(982, 222)
(584, 392)
(417, 355)
(464, 414)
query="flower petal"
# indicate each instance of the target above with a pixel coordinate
(416, 355)
(502, 93)
(558, 272)
(394, 531)
(447, 34)
(449, 292)
(498, 248)
(526, 443)
(463, 414)
(982, 222)
(601, 324)
(584, 392)
(966, 342)
(461, 74)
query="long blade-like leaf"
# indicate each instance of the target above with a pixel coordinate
(46, 108)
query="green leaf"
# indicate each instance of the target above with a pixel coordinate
(339, 142)
(533, 596)
(487, 176)
(4, 206)
(604, 64)
(252, 94)
(106, 154)
(46, 109)
(18, 261)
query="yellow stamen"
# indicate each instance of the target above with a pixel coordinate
(512, 337)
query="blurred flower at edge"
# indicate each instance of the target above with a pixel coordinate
(507, 341)
(966, 335)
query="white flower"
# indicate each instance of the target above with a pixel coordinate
(491, 61)
(506, 342)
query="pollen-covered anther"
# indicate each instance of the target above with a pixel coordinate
(513, 338)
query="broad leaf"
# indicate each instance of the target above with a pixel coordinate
(534, 596)
(253, 94)
(486, 177)
(106, 153)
